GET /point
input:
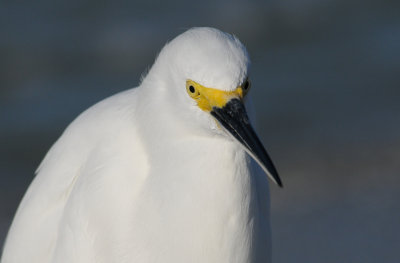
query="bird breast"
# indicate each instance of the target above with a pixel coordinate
(205, 205)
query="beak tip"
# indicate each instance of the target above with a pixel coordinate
(277, 180)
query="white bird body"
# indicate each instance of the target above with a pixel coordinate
(137, 179)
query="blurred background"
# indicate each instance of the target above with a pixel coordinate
(326, 84)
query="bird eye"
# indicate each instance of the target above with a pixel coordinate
(246, 85)
(192, 89)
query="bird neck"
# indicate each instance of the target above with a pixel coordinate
(201, 186)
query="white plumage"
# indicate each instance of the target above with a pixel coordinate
(148, 175)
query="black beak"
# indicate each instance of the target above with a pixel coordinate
(234, 119)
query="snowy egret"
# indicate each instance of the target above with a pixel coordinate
(159, 173)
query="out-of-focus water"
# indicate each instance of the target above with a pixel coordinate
(326, 87)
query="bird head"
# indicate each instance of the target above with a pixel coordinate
(204, 74)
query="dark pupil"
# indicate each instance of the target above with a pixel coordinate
(246, 85)
(191, 88)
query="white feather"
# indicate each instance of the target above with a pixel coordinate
(146, 176)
